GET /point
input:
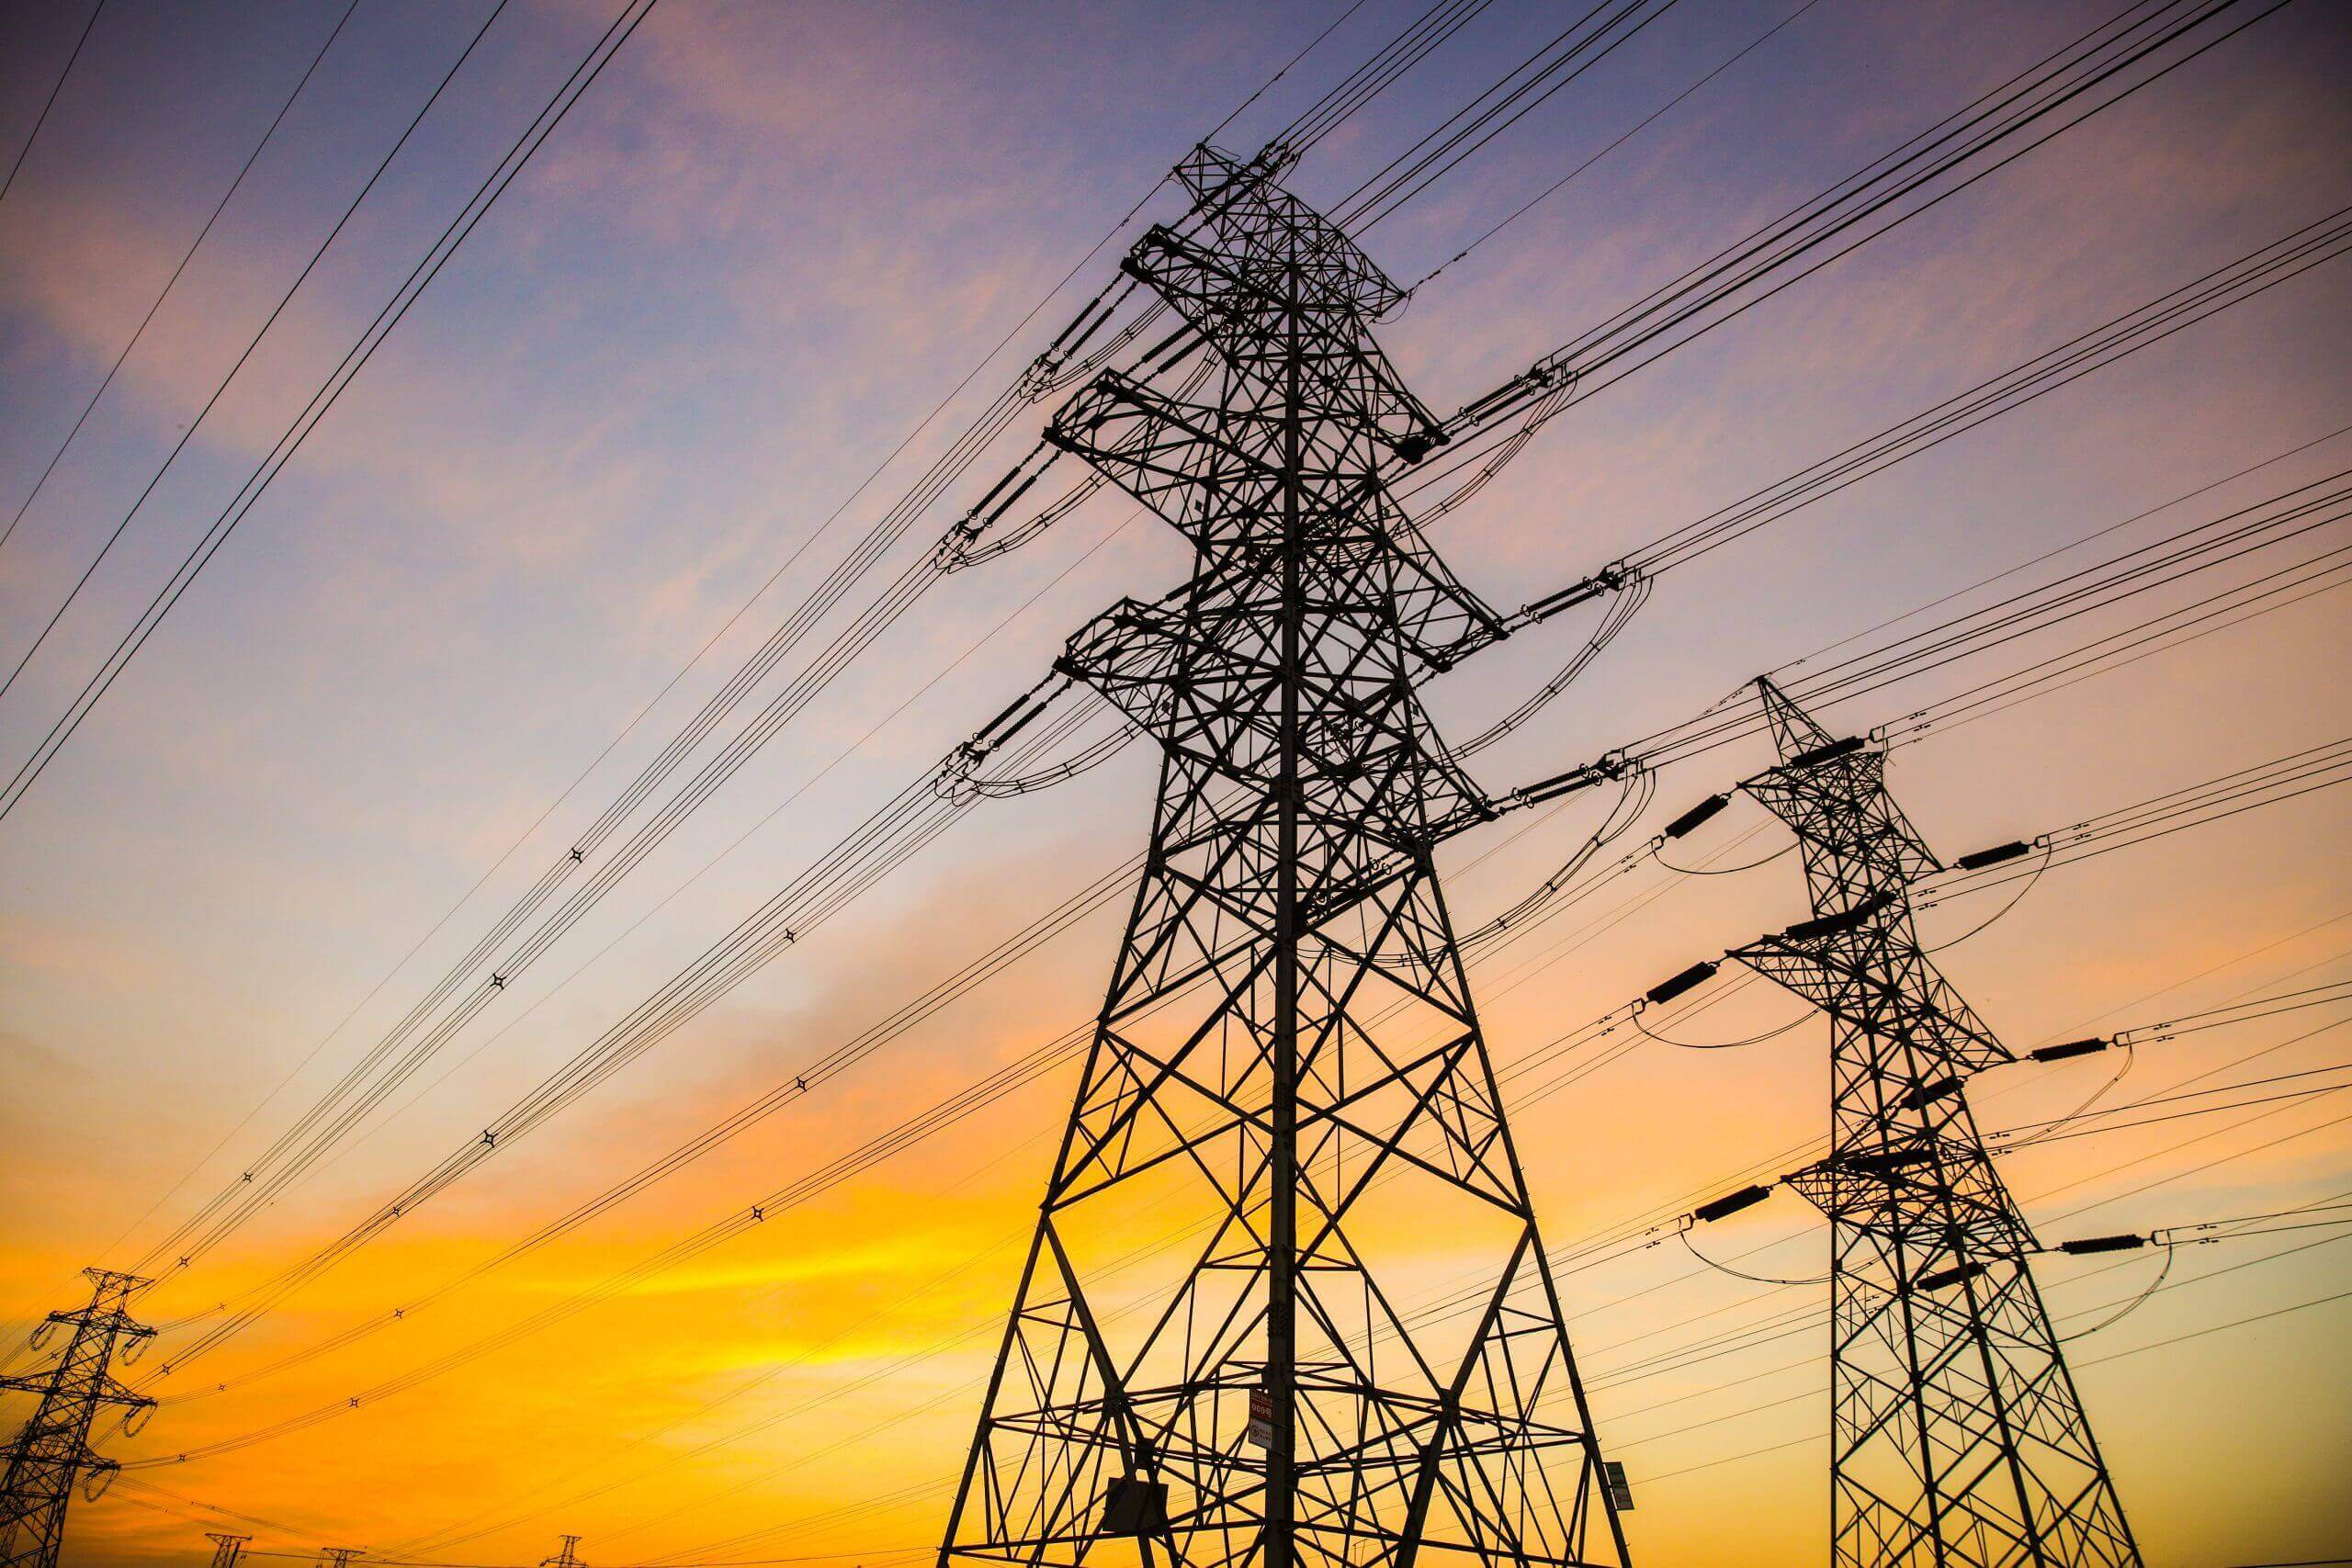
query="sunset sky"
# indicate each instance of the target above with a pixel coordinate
(770, 240)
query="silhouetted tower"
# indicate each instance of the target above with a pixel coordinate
(1288, 1042)
(340, 1556)
(53, 1454)
(1956, 1437)
(569, 1557)
(227, 1550)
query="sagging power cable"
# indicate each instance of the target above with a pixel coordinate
(1044, 1060)
(1634, 574)
(903, 825)
(1056, 366)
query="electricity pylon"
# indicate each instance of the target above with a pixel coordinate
(1288, 1041)
(227, 1550)
(567, 1558)
(53, 1453)
(1956, 1435)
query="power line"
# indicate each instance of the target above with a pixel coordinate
(1655, 1366)
(2247, 277)
(247, 1196)
(41, 118)
(1343, 100)
(1576, 50)
(899, 827)
(2230, 536)
(633, 12)
(1564, 1256)
(186, 257)
(868, 625)
(250, 1192)
(574, 909)
(956, 1110)
(885, 857)
(2262, 777)
(307, 421)
(31, 768)
(2154, 1345)
(1561, 183)
(2103, 68)
(1059, 1052)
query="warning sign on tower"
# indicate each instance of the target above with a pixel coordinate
(1262, 1417)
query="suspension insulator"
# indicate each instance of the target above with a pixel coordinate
(1730, 1203)
(2071, 1048)
(1567, 598)
(1080, 328)
(1690, 820)
(2103, 1243)
(1831, 925)
(1820, 754)
(1878, 1162)
(1928, 1093)
(1559, 784)
(1993, 856)
(1169, 349)
(998, 489)
(1944, 1278)
(1502, 398)
(1690, 979)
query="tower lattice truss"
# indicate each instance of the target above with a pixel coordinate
(1957, 1438)
(53, 1453)
(1288, 1056)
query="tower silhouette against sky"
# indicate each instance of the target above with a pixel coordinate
(1288, 1046)
(1956, 1435)
(53, 1454)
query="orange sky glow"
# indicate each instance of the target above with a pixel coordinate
(770, 240)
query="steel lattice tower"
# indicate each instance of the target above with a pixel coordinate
(1288, 1039)
(227, 1550)
(1956, 1435)
(53, 1450)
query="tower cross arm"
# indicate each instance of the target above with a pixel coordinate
(114, 1390)
(28, 1383)
(1816, 965)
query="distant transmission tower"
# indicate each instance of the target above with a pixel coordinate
(1288, 1042)
(53, 1453)
(569, 1557)
(340, 1556)
(1956, 1435)
(227, 1550)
